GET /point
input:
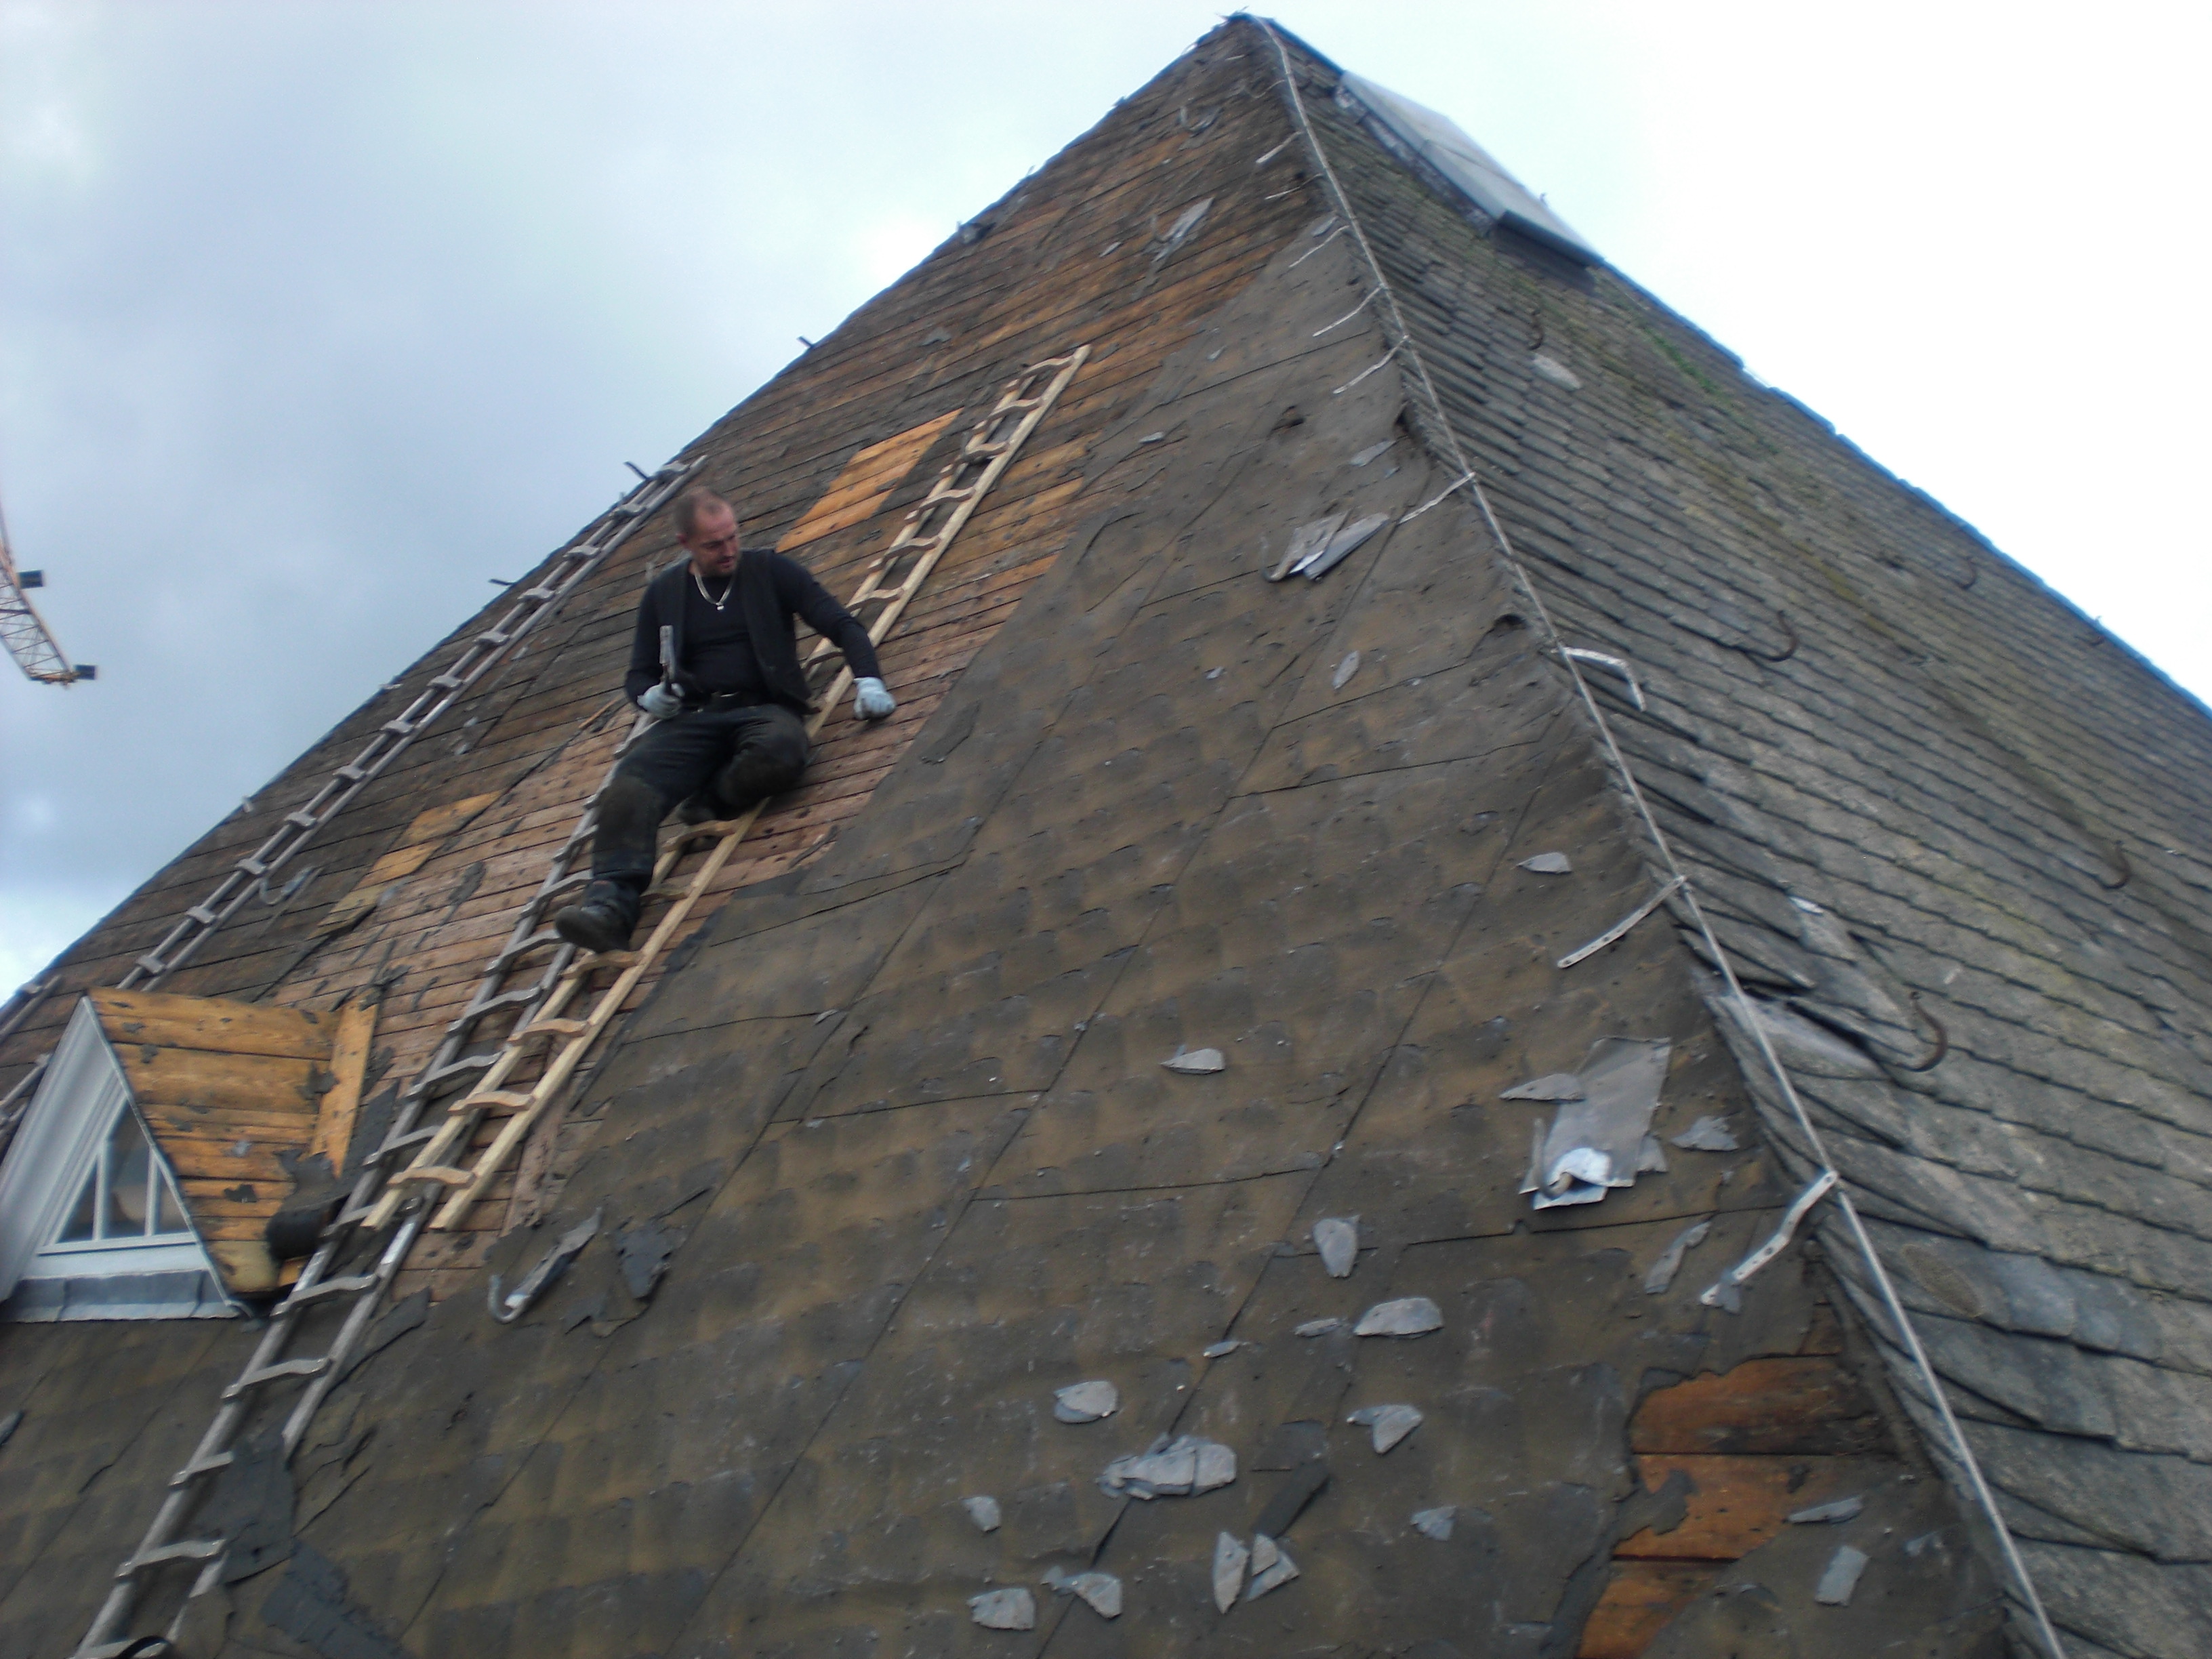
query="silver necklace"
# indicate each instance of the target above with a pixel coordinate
(728, 588)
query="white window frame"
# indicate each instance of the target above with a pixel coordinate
(67, 1122)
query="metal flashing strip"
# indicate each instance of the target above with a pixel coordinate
(1620, 930)
(1394, 324)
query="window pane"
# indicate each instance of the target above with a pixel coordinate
(129, 1166)
(82, 1213)
(171, 1217)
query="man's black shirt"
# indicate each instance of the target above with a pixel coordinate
(715, 651)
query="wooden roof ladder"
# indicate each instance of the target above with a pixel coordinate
(556, 1001)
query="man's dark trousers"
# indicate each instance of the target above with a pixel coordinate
(731, 757)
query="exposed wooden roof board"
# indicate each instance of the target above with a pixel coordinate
(227, 1090)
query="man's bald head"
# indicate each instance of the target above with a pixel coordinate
(706, 528)
(696, 503)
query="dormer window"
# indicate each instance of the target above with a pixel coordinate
(128, 1197)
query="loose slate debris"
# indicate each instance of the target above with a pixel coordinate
(1436, 1523)
(1003, 1609)
(1306, 541)
(1596, 1144)
(1843, 1509)
(1707, 1134)
(1170, 1468)
(983, 1510)
(252, 1504)
(645, 1250)
(1556, 372)
(1340, 547)
(1196, 1062)
(1842, 1578)
(1100, 1591)
(511, 1307)
(1388, 1424)
(1230, 1559)
(1219, 1350)
(1318, 1326)
(1086, 1402)
(1337, 1238)
(1651, 1156)
(1345, 671)
(8, 1425)
(1271, 1567)
(1409, 1315)
(1548, 863)
(1552, 1085)
(1669, 1263)
(1372, 451)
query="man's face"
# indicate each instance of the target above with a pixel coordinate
(712, 543)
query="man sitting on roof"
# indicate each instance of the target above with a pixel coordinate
(729, 704)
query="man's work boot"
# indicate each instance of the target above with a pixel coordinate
(600, 921)
(701, 808)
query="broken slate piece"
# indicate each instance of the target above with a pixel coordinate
(1219, 1350)
(1337, 1238)
(1345, 671)
(1548, 863)
(1196, 1062)
(1596, 1143)
(1842, 1578)
(1272, 1566)
(983, 1510)
(1099, 1591)
(1651, 1156)
(1172, 1469)
(1388, 1424)
(1372, 452)
(1670, 1259)
(1003, 1609)
(1318, 1328)
(1342, 546)
(1086, 1402)
(1436, 1523)
(1552, 1085)
(1306, 541)
(1707, 1134)
(1409, 1315)
(1843, 1509)
(1230, 1559)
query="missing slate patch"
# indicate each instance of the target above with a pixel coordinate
(309, 1605)
(645, 1250)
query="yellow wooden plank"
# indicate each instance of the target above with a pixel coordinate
(348, 1068)
(137, 1019)
(859, 488)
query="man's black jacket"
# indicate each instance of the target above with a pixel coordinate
(748, 649)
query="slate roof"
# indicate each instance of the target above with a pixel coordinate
(1989, 805)
(890, 1153)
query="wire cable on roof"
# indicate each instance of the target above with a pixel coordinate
(1394, 324)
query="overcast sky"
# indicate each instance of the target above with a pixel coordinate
(316, 315)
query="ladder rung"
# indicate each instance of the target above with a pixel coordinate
(504, 1102)
(453, 1067)
(448, 682)
(192, 1549)
(253, 866)
(345, 1286)
(152, 964)
(444, 1174)
(494, 638)
(554, 1028)
(351, 773)
(277, 1373)
(398, 1143)
(523, 946)
(202, 915)
(500, 999)
(398, 728)
(303, 819)
(539, 595)
(591, 959)
(207, 1465)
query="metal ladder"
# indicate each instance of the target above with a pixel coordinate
(891, 582)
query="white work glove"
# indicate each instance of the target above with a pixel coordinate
(662, 701)
(872, 700)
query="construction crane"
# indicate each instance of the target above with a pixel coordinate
(24, 631)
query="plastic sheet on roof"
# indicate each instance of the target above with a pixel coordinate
(1469, 168)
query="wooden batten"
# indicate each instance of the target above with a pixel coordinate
(227, 1090)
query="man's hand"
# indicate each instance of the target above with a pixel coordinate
(871, 700)
(662, 701)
